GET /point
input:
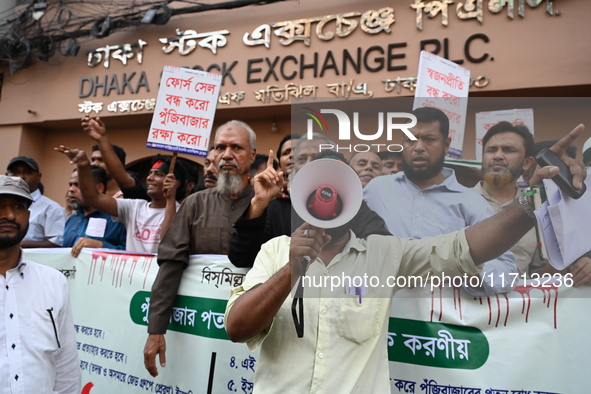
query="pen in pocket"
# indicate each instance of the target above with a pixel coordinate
(54, 327)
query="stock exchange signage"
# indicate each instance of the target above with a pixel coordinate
(341, 71)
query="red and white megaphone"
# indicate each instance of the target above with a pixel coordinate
(326, 193)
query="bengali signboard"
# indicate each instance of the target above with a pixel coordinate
(185, 109)
(444, 84)
(439, 341)
(486, 120)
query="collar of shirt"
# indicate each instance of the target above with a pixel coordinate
(245, 192)
(84, 214)
(481, 190)
(450, 182)
(36, 194)
(353, 243)
(22, 263)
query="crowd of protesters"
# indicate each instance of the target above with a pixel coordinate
(242, 205)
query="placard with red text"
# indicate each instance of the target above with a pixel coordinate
(486, 120)
(185, 109)
(444, 84)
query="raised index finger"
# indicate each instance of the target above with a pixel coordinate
(562, 144)
(271, 159)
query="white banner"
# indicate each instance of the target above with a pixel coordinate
(440, 341)
(183, 117)
(110, 296)
(523, 342)
(486, 120)
(444, 84)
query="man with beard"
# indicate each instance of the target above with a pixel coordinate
(343, 349)
(201, 226)
(88, 227)
(38, 352)
(286, 154)
(47, 219)
(426, 200)
(507, 151)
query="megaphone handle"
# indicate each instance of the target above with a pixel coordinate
(299, 298)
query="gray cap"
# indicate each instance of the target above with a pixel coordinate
(15, 186)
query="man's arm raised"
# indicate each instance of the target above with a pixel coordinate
(95, 128)
(90, 194)
(489, 238)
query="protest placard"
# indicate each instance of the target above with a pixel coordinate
(486, 120)
(444, 84)
(185, 109)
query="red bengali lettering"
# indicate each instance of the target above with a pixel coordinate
(204, 87)
(173, 100)
(433, 92)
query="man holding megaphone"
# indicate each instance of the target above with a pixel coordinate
(343, 349)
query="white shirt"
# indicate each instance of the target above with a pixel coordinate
(30, 359)
(143, 224)
(47, 220)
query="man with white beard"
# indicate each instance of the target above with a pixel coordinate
(202, 225)
(507, 151)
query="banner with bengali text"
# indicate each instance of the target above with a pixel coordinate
(110, 296)
(441, 341)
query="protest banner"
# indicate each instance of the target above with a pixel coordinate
(110, 296)
(444, 84)
(486, 120)
(185, 109)
(525, 341)
(440, 340)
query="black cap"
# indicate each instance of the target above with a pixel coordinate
(27, 160)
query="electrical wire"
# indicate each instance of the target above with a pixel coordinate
(79, 19)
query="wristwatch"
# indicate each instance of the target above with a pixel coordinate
(525, 203)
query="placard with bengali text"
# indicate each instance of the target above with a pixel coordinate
(486, 120)
(185, 109)
(444, 84)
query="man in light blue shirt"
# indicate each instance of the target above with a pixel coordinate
(426, 199)
(46, 224)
